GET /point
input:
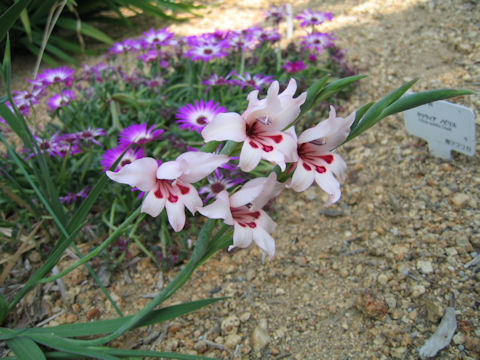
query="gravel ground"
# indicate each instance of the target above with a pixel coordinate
(371, 276)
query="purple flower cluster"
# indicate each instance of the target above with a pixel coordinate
(256, 81)
(208, 46)
(67, 144)
(72, 197)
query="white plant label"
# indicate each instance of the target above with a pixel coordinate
(445, 126)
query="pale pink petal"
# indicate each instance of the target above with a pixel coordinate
(189, 196)
(242, 236)
(276, 157)
(176, 214)
(170, 170)
(198, 165)
(264, 241)
(333, 131)
(271, 189)
(153, 205)
(330, 185)
(317, 132)
(249, 157)
(139, 173)
(289, 113)
(266, 222)
(249, 192)
(219, 209)
(338, 167)
(225, 126)
(287, 147)
(302, 178)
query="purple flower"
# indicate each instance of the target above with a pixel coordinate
(215, 80)
(242, 40)
(90, 134)
(276, 14)
(153, 38)
(206, 47)
(257, 81)
(120, 48)
(56, 146)
(271, 36)
(293, 67)
(312, 18)
(110, 156)
(206, 52)
(138, 134)
(216, 184)
(61, 75)
(60, 100)
(195, 117)
(72, 197)
(317, 41)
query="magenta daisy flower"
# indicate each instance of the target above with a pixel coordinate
(216, 184)
(276, 14)
(195, 117)
(61, 75)
(153, 38)
(207, 52)
(110, 156)
(312, 18)
(318, 41)
(90, 134)
(257, 81)
(60, 100)
(138, 134)
(215, 80)
(293, 67)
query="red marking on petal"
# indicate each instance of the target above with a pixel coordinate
(307, 167)
(242, 224)
(277, 138)
(267, 148)
(183, 189)
(253, 145)
(320, 169)
(172, 198)
(252, 225)
(327, 158)
(255, 214)
(158, 194)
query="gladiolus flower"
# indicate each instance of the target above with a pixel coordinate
(260, 127)
(244, 211)
(169, 185)
(316, 160)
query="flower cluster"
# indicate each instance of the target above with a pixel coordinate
(265, 130)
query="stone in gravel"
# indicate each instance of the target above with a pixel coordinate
(371, 304)
(104, 275)
(418, 290)
(260, 337)
(230, 325)
(425, 266)
(434, 311)
(459, 200)
(458, 339)
(245, 316)
(200, 347)
(232, 340)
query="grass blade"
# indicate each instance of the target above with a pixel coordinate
(10, 16)
(107, 326)
(25, 348)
